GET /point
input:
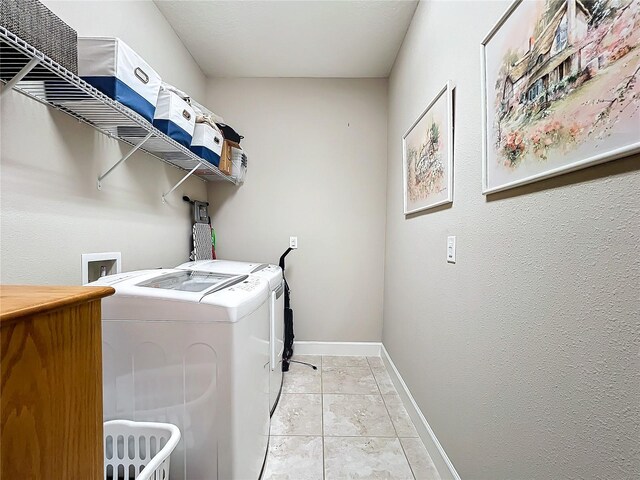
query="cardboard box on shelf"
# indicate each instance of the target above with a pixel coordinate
(226, 157)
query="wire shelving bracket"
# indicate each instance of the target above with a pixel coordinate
(35, 75)
(165, 195)
(122, 160)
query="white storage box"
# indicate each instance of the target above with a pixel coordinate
(207, 143)
(238, 164)
(175, 117)
(112, 67)
(138, 450)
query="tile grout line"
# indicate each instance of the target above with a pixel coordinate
(340, 436)
(352, 394)
(407, 457)
(392, 423)
(383, 402)
(348, 436)
(323, 433)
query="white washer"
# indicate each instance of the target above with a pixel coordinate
(273, 274)
(192, 349)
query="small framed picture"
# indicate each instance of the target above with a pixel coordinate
(428, 155)
(560, 88)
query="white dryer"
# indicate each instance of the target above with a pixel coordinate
(273, 274)
(192, 349)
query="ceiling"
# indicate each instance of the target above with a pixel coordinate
(300, 38)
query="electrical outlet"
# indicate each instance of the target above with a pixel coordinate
(293, 242)
(451, 249)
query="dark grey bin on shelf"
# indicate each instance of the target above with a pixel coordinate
(42, 29)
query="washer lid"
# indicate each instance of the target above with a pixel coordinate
(223, 266)
(182, 285)
(120, 277)
(185, 296)
(190, 281)
(272, 273)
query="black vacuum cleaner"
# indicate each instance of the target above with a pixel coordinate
(288, 324)
(288, 319)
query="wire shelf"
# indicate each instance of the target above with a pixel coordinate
(51, 84)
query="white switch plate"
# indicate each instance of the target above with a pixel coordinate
(293, 242)
(451, 249)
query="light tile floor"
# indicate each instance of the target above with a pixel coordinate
(343, 421)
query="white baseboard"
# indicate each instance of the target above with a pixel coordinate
(369, 349)
(437, 453)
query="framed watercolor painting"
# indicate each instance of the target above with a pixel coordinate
(428, 155)
(561, 89)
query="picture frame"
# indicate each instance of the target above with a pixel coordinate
(427, 155)
(560, 89)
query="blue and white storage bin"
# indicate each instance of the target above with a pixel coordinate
(175, 117)
(112, 67)
(207, 143)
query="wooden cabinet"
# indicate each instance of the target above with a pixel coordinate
(51, 383)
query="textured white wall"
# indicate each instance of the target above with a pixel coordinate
(317, 169)
(51, 209)
(523, 355)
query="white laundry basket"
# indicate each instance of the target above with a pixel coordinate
(138, 450)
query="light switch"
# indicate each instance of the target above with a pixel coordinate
(293, 242)
(451, 249)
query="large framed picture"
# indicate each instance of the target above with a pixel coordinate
(561, 89)
(428, 155)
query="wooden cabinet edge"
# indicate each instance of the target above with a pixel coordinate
(20, 301)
